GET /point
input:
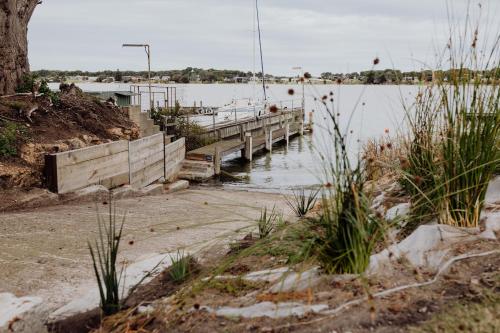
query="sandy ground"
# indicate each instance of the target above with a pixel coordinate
(44, 252)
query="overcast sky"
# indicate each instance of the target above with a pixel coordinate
(319, 35)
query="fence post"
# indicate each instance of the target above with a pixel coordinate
(248, 146)
(217, 160)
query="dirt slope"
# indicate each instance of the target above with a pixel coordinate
(69, 120)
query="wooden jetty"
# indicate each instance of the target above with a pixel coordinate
(248, 136)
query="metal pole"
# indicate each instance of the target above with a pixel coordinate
(148, 52)
(213, 121)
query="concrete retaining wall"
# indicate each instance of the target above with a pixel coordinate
(138, 163)
(147, 160)
(175, 153)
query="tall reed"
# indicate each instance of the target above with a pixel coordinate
(349, 229)
(453, 150)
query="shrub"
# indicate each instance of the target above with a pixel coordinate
(9, 135)
(196, 136)
(27, 85)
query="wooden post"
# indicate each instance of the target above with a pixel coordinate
(301, 128)
(266, 137)
(311, 122)
(270, 139)
(217, 160)
(248, 146)
(242, 133)
(287, 134)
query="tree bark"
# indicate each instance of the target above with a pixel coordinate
(14, 19)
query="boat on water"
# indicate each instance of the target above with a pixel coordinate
(249, 107)
(207, 110)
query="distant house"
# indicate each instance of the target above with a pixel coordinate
(108, 80)
(410, 79)
(122, 98)
(240, 79)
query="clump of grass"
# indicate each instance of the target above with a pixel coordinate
(348, 229)
(234, 287)
(380, 156)
(455, 129)
(104, 255)
(267, 222)
(180, 269)
(300, 202)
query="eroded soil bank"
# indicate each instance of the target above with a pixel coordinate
(34, 125)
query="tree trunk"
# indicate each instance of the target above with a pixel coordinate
(14, 18)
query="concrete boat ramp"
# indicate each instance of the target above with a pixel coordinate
(45, 258)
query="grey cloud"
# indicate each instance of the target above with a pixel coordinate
(321, 35)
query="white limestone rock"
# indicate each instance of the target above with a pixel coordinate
(398, 211)
(493, 193)
(23, 314)
(490, 225)
(297, 281)
(153, 189)
(177, 186)
(269, 309)
(125, 191)
(425, 247)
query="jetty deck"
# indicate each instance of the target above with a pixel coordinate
(227, 147)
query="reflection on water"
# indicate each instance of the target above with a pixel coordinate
(283, 169)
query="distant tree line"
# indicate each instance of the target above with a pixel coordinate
(396, 76)
(192, 74)
(186, 75)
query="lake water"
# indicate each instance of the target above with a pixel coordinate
(364, 111)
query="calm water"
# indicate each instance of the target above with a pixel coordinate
(368, 110)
